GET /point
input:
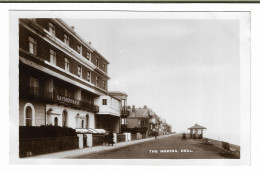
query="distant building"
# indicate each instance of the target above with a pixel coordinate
(146, 118)
(139, 118)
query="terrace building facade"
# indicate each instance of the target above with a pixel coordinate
(122, 97)
(108, 117)
(62, 79)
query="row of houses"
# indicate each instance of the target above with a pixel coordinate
(63, 82)
(145, 120)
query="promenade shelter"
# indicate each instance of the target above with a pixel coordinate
(196, 131)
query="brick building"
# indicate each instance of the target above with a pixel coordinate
(138, 120)
(62, 78)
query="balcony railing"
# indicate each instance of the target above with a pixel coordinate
(34, 92)
(95, 108)
(124, 112)
(89, 106)
(52, 97)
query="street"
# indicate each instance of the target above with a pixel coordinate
(171, 147)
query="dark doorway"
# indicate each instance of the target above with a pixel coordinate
(55, 121)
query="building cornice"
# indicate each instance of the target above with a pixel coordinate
(101, 73)
(62, 70)
(100, 55)
(117, 93)
(109, 113)
(60, 76)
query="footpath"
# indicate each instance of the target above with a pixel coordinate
(90, 150)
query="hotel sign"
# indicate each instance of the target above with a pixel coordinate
(67, 100)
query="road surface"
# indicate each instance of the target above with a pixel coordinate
(171, 147)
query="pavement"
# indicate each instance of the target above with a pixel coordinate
(91, 150)
(149, 148)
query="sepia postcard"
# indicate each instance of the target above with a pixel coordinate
(145, 87)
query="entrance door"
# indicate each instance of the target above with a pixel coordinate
(64, 118)
(84, 140)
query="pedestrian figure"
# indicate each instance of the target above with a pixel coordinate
(155, 135)
(183, 137)
(110, 138)
(105, 140)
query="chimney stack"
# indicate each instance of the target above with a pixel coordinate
(145, 107)
(72, 27)
(133, 108)
(89, 43)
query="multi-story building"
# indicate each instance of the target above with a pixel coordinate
(62, 78)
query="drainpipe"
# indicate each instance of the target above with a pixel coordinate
(45, 115)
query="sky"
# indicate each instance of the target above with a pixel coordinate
(185, 70)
